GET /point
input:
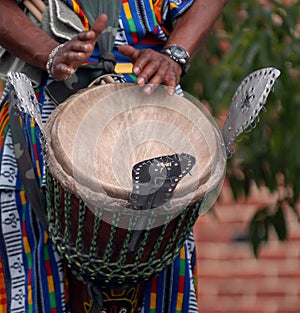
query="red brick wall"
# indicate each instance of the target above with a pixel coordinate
(231, 280)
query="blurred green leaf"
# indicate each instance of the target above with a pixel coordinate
(279, 223)
(259, 229)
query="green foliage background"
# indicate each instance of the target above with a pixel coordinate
(252, 35)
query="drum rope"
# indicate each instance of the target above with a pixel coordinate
(109, 271)
(80, 229)
(67, 217)
(175, 232)
(149, 226)
(159, 242)
(111, 241)
(57, 209)
(132, 223)
(191, 220)
(93, 247)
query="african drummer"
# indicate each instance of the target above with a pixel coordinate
(149, 49)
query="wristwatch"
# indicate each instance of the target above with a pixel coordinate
(179, 55)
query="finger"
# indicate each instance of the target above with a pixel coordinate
(99, 24)
(74, 59)
(62, 71)
(130, 52)
(79, 46)
(146, 57)
(168, 74)
(70, 58)
(133, 54)
(150, 69)
(95, 30)
(156, 80)
(153, 65)
(149, 88)
(153, 81)
(74, 52)
(169, 80)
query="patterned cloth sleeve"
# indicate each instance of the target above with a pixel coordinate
(167, 11)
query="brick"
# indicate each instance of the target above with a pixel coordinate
(231, 305)
(230, 293)
(222, 232)
(290, 273)
(235, 213)
(272, 294)
(224, 251)
(296, 310)
(276, 250)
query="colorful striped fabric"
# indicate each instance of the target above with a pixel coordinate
(173, 290)
(4, 124)
(3, 281)
(31, 272)
(73, 4)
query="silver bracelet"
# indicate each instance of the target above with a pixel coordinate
(51, 58)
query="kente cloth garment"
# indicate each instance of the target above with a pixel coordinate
(32, 277)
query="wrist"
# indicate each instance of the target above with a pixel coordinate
(179, 55)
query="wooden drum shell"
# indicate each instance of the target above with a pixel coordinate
(83, 225)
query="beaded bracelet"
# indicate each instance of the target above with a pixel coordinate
(51, 58)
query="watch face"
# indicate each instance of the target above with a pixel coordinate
(179, 53)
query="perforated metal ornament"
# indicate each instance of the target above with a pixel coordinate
(246, 103)
(154, 180)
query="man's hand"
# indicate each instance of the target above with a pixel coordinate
(153, 68)
(76, 51)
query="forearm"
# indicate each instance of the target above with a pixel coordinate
(193, 27)
(21, 37)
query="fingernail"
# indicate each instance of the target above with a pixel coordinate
(136, 70)
(171, 91)
(141, 81)
(147, 90)
(72, 71)
(66, 70)
(84, 47)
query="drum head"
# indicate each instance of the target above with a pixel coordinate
(97, 136)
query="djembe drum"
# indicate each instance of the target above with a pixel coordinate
(127, 176)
